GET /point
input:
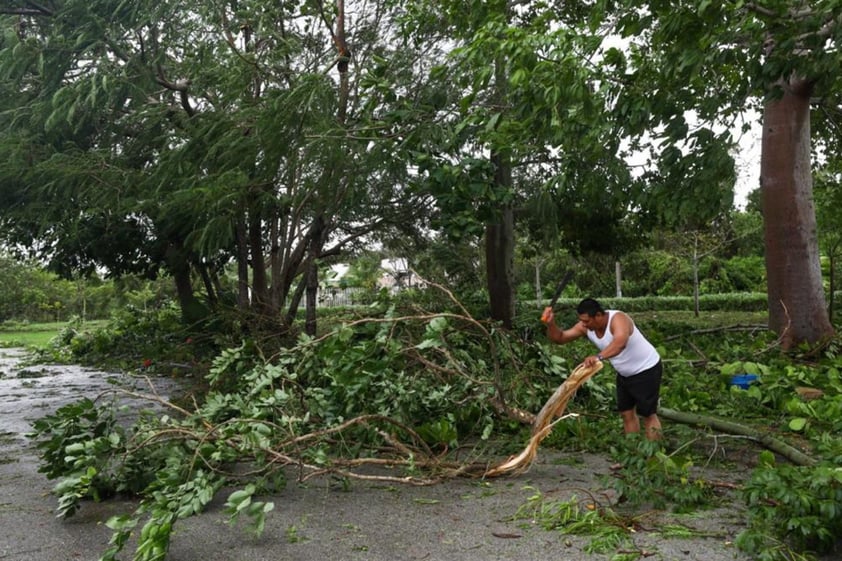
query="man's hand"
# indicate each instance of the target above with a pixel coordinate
(559, 335)
(548, 316)
(591, 360)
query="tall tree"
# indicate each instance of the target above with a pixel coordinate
(716, 60)
(797, 308)
(530, 135)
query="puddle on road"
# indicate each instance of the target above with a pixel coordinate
(30, 392)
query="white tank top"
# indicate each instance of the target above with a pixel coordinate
(639, 354)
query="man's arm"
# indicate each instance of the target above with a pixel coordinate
(561, 336)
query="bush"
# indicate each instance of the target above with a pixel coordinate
(132, 339)
(792, 508)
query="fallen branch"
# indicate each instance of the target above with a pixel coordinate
(725, 485)
(544, 420)
(791, 453)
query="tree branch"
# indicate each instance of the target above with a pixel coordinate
(180, 86)
(33, 9)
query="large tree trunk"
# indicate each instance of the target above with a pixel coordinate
(500, 236)
(499, 251)
(192, 310)
(797, 310)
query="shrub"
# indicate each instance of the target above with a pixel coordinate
(792, 508)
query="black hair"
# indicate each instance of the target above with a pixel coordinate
(589, 306)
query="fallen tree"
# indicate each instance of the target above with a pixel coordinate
(408, 396)
(768, 441)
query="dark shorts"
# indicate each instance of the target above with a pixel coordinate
(640, 391)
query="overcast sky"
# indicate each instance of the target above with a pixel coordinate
(748, 163)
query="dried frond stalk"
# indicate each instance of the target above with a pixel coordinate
(544, 421)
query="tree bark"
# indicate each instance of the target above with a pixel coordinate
(696, 274)
(343, 57)
(500, 236)
(260, 300)
(312, 276)
(797, 310)
(618, 279)
(179, 267)
(242, 265)
(204, 272)
(831, 286)
(499, 258)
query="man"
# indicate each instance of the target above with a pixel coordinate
(634, 358)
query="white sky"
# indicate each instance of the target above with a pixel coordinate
(748, 163)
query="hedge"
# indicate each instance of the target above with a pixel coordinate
(736, 301)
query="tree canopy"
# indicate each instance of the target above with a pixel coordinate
(272, 137)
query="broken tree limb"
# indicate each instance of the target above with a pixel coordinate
(544, 422)
(791, 453)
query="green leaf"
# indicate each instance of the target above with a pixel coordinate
(797, 424)
(491, 123)
(121, 522)
(236, 498)
(428, 344)
(766, 458)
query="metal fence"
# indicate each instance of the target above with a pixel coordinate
(335, 296)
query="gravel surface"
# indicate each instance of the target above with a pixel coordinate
(467, 520)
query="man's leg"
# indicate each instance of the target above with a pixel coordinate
(652, 426)
(630, 421)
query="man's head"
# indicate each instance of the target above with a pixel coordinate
(590, 307)
(591, 313)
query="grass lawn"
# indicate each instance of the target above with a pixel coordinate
(15, 334)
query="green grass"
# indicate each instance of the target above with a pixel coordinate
(14, 334)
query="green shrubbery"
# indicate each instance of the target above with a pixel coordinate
(793, 509)
(154, 340)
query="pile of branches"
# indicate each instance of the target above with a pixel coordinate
(399, 390)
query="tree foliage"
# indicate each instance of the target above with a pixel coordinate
(272, 137)
(189, 137)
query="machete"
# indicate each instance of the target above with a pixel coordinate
(558, 289)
